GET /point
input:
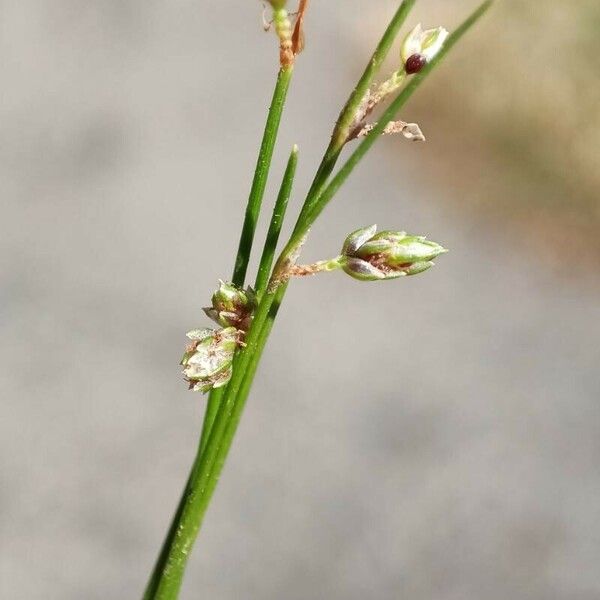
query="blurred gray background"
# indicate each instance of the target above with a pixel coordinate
(432, 438)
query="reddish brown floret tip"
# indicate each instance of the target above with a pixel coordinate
(415, 63)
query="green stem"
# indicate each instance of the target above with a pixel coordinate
(308, 217)
(241, 265)
(270, 304)
(252, 213)
(212, 408)
(261, 174)
(209, 463)
(348, 115)
(272, 300)
(346, 120)
(157, 572)
(202, 481)
(219, 413)
(266, 260)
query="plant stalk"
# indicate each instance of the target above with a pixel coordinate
(209, 463)
(239, 274)
(267, 310)
(346, 120)
(279, 210)
(261, 175)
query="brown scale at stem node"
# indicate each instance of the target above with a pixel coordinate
(298, 34)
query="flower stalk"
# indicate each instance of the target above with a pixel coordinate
(371, 256)
(351, 114)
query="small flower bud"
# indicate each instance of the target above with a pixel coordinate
(420, 47)
(208, 359)
(371, 256)
(232, 306)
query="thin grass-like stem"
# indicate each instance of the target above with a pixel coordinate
(264, 270)
(308, 217)
(235, 395)
(209, 463)
(212, 408)
(261, 175)
(156, 588)
(346, 119)
(279, 210)
(253, 207)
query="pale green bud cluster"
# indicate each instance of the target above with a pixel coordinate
(232, 306)
(371, 256)
(207, 362)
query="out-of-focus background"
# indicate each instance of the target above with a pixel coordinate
(433, 438)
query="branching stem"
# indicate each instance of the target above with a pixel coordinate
(166, 580)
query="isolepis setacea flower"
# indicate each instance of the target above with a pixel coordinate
(232, 306)
(420, 46)
(207, 360)
(371, 256)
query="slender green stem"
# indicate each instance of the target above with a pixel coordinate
(307, 218)
(209, 463)
(192, 508)
(152, 585)
(157, 572)
(152, 591)
(252, 213)
(305, 221)
(275, 297)
(202, 483)
(212, 408)
(261, 175)
(266, 260)
(347, 118)
(270, 305)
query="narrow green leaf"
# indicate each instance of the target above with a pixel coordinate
(261, 174)
(266, 260)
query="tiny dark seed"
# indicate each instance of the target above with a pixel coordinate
(415, 63)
